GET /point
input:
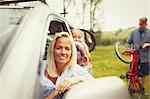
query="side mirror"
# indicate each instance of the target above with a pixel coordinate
(89, 39)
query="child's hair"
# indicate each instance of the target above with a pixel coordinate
(75, 30)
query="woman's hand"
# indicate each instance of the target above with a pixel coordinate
(53, 95)
(66, 84)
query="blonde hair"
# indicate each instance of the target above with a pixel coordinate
(51, 68)
(75, 30)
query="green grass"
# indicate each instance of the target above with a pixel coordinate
(106, 63)
(109, 38)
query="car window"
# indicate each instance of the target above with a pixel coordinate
(10, 19)
(55, 26)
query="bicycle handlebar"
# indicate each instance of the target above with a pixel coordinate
(129, 52)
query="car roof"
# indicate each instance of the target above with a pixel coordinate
(28, 4)
(4, 2)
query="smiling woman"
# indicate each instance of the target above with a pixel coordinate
(62, 53)
(60, 72)
(23, 34)
(23, 49)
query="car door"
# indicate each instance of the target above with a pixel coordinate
(24, 50)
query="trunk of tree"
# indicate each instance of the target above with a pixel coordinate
(91, 17)
(83, 18)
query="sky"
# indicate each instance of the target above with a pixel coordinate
(116, 13)
(124, 13)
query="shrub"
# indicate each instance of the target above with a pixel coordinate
(109, 38)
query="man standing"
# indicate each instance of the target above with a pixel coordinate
(140, 38)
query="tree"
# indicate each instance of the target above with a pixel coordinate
(66, 4)
(93, 6)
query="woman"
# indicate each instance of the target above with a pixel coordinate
(61, 71)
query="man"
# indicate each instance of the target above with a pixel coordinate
(140, 38)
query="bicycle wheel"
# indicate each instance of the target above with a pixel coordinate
(120, 48)
(89, 39)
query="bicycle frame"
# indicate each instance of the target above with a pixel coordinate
(134, 81)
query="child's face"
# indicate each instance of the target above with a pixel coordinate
(76, 36)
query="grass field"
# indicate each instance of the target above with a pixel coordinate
(106, 63)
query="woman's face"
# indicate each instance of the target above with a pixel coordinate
(62, 52)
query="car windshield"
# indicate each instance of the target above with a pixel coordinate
(10, 19)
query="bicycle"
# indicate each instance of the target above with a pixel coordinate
(89, 39)
(129, 56)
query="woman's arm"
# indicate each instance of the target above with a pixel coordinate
(52, 95)
(80, 76)
(67, 83)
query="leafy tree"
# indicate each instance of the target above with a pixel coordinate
(93, 5)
